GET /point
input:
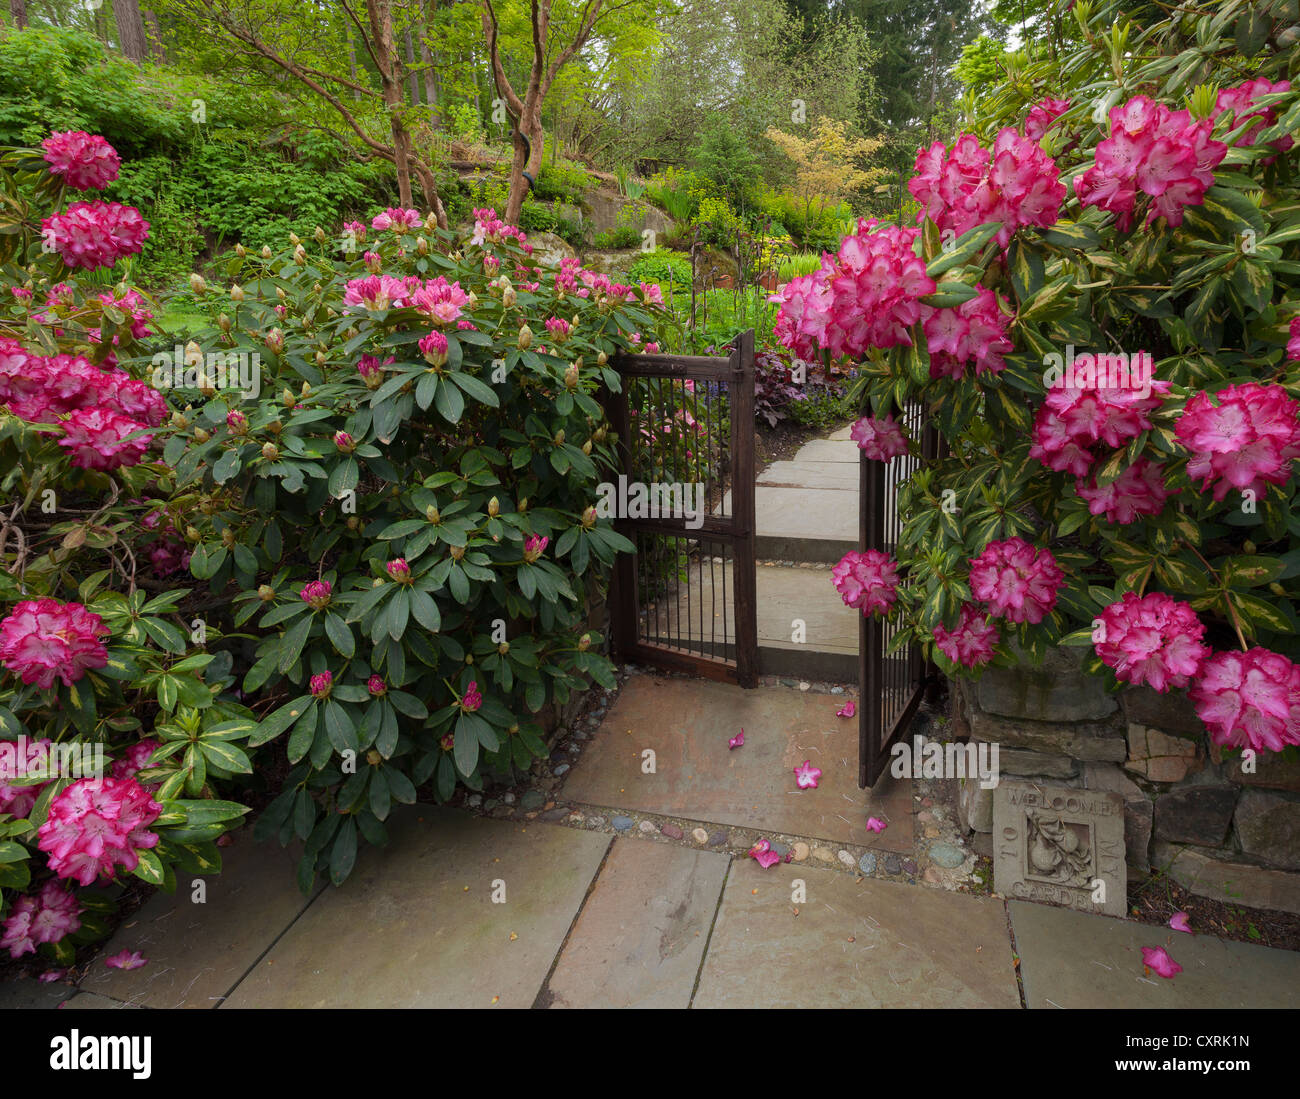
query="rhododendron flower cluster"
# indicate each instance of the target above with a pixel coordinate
(317, 593)
(489, 227)
(395, 218)
(1247, 440)
(471, 700)
(1139, 490)
(534, 547)
(1042, 115)
(1293, 343)
(434, 348)
(1249, 700)
(17, 800)
(1159, 152)
(1016, 184)
(1016, 581)
(1152, 640)
(377, 292)
(440, 300)
(971, 642)
(880, 440)
(321, 684)
(974, 332)
(36, 918)
(1240, 99)
(98, 439)
(868, 296)
(134, 759)
(43, 639)
(867, 581)
(97, 825)
(558, 327)
(41, 389)
(83, 161)
(95, 234)
(1074, 419)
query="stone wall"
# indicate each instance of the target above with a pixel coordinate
(1189, 809)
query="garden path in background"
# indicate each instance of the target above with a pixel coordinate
(463, 911)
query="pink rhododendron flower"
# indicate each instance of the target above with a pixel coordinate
(971, 642)
(1178, 921)
(321, 684)
(1042, 115)
(395, 218)
(356, 228)
(737, 741)
(867, 581)
(1293, 344)
(51, 975)
(369, 366)
(376, 685)
(1139, 490)
(134, 759)
(1076, 419)
(17, 800)
(535, 547)
(399, 570)
(126, 959)
(973, 333)
(875, 824)
(43, 917)
(558, 327)
(43, 638)
(97, 825)
(763, 854)
(471, 700)
(806, 777)
(441, 301)
(1249, 700)
(1151, 640)
(867, 295)
(434, 348)
(83, 161)
(651, 293)
(317, 593)
(98, 439)
(1151, 149)
(1247, 441)
(1240, 99)
(375, 293)
(849, 709)
(1157, 959)
(1016, 581)
(489, 227)
(880, 440)
(95, 234)
(1015, 183)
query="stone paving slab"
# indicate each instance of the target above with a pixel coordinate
(642, 932)
(92, 1001)
(806, 513)
(415, 925)
(853, 944)
(829, 450)
(30, 994)
(198, 952)
(687, 722)
(1074, 959)
(834, 475)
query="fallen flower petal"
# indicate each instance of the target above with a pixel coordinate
(126, 959)
(875, 824)
(1178, 921)
(806, 776)
(849, 709)
(763, 854)
(52, 975)
(737, 741)
(1157, 959)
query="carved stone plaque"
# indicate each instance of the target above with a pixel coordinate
(1060, 845)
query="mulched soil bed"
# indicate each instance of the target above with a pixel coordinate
(1157, 898)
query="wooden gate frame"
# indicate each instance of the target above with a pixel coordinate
(874, 741)
(736, 530)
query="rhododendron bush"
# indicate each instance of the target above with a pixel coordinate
(1100, 308)
(403, 515)
(118, 719)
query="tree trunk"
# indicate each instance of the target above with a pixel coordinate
(530, 126)
(426, 55)
(352, 65)
(410, 66)
(18, 12)
(130, 30)
(390, 82)
(154, 31)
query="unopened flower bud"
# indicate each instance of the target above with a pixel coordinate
(295, 239)
(223, 322)
(300, 256)
(321, 358)
(319, 235)
(236, 293)
(266, 251)
(422, 246)
(240, 251)
(353, 522)
(457, 552)
(571, 377)
(525, 338)
(201, 436)
(306, 389)
(265, 593)
(197, 283)
(509, 297)
(270, 452)
(179, 421)
(503, 648)
(602, 358)
(374, 758)
(586, 447)
(275, 340)
(494, 507)
(559, 437)
(523, 504)
(228, 538)
(192, 534)
(584, 643)
(431, 513)
(589, 518)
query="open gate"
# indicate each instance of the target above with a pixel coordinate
(685, 599)
(891, 685)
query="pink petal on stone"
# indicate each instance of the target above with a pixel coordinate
(847, 710)
(763, 854)
(875, 824)
(737, 741)
(1178, 921)
(52, 975)
(806, 776)
(126, 959)
(1157, 959)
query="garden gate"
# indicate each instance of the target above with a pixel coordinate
(685, 599)
(891, 685)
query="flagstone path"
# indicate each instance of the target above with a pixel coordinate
(637, 892)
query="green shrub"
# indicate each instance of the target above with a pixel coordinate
(662, 265)
(534, 217)
(562, 181)
(622, 236)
